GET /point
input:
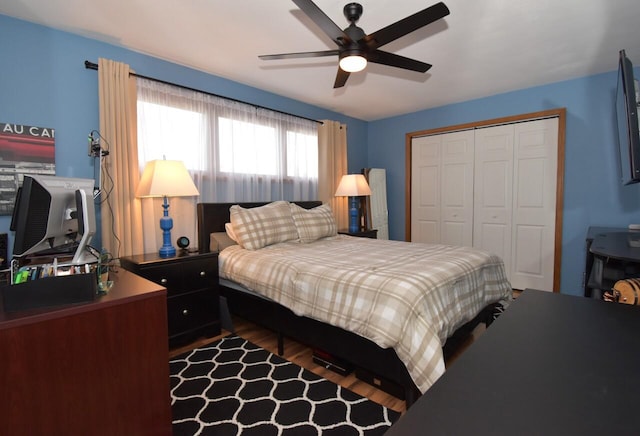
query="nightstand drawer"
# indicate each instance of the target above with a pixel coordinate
(192, 313)
(168, 276)
(200, 274)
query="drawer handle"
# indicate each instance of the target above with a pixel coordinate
(202, 273)
(163, 281)
(185, 312)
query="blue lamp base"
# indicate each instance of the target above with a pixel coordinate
(354, 225)
(166, 224)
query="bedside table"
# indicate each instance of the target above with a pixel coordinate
(373, 233)
(191, 279)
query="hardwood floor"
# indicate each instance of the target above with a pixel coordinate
(303, 356)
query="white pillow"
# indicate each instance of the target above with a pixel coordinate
(258, 227)
(313, 224)
(218, 241)
(228, 227)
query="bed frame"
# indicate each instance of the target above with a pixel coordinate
(383, 364)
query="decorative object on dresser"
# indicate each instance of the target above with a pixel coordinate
(191, 279)
(166, 178)
(98, 368)
(354, 186)
(235, 387)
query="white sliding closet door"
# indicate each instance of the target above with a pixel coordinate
(493, 191)
(425, 189)
(442, 188)
(493, 188)
(534, 204)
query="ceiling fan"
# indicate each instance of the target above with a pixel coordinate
(355, 48)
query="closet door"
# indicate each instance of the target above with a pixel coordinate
(515, 198)
(442, 188)
(534, 204)
(493, 191)
(425, 188)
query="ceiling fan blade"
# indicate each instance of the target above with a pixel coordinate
(323, 21)
(405, 26)
(305, 54)
(394, 60)
(341, 78)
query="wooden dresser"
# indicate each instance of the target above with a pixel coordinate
(98, 368)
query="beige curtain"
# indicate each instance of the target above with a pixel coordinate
(332, 165)
(120, 212)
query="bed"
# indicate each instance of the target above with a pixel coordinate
(311, 302)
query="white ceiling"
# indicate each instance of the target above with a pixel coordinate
(482, 48)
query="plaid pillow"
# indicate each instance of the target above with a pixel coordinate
(258, 227)
(315, 223)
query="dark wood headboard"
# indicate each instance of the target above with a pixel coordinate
(213, 216)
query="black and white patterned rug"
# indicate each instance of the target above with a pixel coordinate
(234, 387)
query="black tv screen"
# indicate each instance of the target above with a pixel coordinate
(627, 117)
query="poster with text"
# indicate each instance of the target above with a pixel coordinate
(24, 150)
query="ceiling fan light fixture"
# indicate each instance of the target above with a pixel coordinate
(353, 63)
(355, 48)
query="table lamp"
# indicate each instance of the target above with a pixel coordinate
(166, 178)
(353, 186)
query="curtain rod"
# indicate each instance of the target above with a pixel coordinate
(91, 66)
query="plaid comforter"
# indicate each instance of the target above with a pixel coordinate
(408, 296)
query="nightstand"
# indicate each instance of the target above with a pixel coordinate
(191, 279)
(373, 233)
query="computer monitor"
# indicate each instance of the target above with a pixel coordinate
(56, 216)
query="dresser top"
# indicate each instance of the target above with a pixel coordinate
(126, 287)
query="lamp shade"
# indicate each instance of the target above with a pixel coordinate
(353, 63)
(166, 178)
(353, 185)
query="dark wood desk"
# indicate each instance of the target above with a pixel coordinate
(99, 368)
(552, 364)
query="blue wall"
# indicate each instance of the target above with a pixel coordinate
(593, 195)
(43, 82)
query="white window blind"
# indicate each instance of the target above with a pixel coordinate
(234, 151)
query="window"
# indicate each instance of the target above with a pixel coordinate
(241, 153)
(158, 139)
(302, 149)
(235, 152)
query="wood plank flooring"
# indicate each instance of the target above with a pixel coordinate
(302, 356)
